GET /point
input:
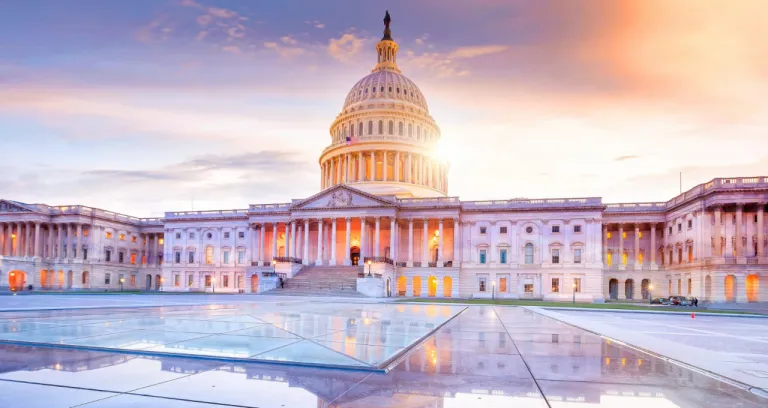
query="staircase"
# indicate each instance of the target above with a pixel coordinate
(322, 281)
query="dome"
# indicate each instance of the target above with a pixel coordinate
(386, 85)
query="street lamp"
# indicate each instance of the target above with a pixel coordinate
(574, 293)
(650, 293)
(274, 266)
(121, 284)
(493, 290)
(369, 268)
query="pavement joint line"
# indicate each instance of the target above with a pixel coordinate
(722, 378)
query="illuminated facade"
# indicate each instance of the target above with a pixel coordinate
(384, 199)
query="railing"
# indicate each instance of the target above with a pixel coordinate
(532, 203)
(208, 214)
(286, 259)
(368, 275)
(429, 202)
(752, 261)
(274, 275)
(96, 212)
(269, 207)
(730, 261)
(636, 207)
(378, 259)
(432, 264)
(401, 264)
(417, 264)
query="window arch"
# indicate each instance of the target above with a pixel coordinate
(370, 127)
(381, 127)
(400, 128)
(351, 130)
(391, 127)
(360, 129)
(410, 130)
(346, 132)
(529, 253)
(373, 89)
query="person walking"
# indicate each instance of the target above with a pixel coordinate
(282, 283)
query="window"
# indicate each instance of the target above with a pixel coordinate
(639, 234)
(679, 227)
(133, 258)
(108, 255)
(178, 235)
(608, 235)
(577, 256)
(209, 235)
(390, 89)
(555, 256)
(555, 285)
(577, 285)
(133, 239)
(483, 230)
(400, 128)
(502, 230)
(177, 257)
(529, 253)
(503, 285)
(122, 237)
(241, 234)
(241, 256)
(528, 288)
(120, 257)
(208, 281)
(360, 129)
(577, 228)
(85, 233)
(85, 253)
(177, 280)
(226, 256)
(670, 230)
(209, 255)
(106, 278)
(503, 256)
(529, 230)
(391, 127)
(191, 235)
(370, 123)
(226, 235)
(624, 235)
(482, 256)
(410, 130)
(109, 235)
(481, 284)
(690, 224)
(190, 280)
(191, 256)
(225, 280)
(381, 123)
(133, 280)
(555, 229)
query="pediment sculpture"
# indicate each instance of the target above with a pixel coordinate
(340, 198)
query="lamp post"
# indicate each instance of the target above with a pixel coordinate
(274, 266)
(650, 293)
(369, 268)
(493, 291)
(121, 284)
(574, 293)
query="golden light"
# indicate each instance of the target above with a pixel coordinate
(13, 235)
(13, 273)
(369, 262)
(274, 262)
(650, 287)
(437, 232)
(160, 241)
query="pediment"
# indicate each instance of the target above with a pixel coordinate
(7, 206)
(342, 197)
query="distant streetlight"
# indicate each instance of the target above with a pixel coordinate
(121, 284)
(369, 268)
(574, 292)
(493, 290)
(650, 293)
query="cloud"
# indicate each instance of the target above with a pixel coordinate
(422, 39)
(288, 40)
(285, 52)
(345, 47)
(472, 52)
(221, 12)
(204, 19)
(237, 31)
(628, 157)
(315, 23)
(234, 49)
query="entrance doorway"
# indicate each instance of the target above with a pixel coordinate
(16, 280)
(753, 283)
(149, 282)
(158, 280)
(254, 283)
(354, 255)
(613, 289)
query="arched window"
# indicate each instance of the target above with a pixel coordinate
(391, 127)
(352, 130)
(410, 130)
(370, 127)
(400, 128)
(382, 89)
(360, 129)
(346, 131)
(398, 89)
(529, 253)
(390, 89)
(381, 127)
(373, 89)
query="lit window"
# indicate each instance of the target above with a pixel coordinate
(609, 258)
(122, 237)
(608, 235)
(577, 228)
(503, 256)
(577, 256)
(555, 256)
(177, 280)
(133, 258)
(624, 235)
(528, 288)
(109, 235)
(160, 241)
(502, 230)
(133, 239)
(639, 234)
(482, 256)
(555, 285)
(85, 233)
(555, 229)
(209, 255)
(577, 285)
(529, 253)
(503, 285)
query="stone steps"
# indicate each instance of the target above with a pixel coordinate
(322, 281)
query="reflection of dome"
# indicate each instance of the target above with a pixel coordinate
(385, 85)
(382, 141)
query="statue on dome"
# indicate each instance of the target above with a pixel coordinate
(387, 32)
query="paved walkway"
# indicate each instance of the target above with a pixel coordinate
(732, 347)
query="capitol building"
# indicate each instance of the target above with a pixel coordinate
(384, 224)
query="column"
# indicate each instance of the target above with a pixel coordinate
(392, 249)
(637, 245)
(319, 260)
(262, 227)
(410, 242)
(605, 244)
(621, 249)
(408, 168)
(440, 243)
(28, 240)
(274, 240)
(305, 261)
(145, 245)
(739, 221)
(38, 251)
(653, 245)
(717, 233)
(372, 165)
(155, 259)
(384, 165)
(79, 242)
(360, 166)
(333, 241)
(760, 229)
(377, 237)
(347, 240)
(363, 243)
(456, 239)
(425, 250)
(68, 240)
(397, 166)
(4, 241)
(294, 252)
(421, 169)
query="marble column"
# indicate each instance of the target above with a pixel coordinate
(621, 248)
(384, 165)
(79, 242)
(760, 229)
(275, 225)
(377, 237)
(156, 242)
(440, 256)
(410, 243)
(397, 166)
(392, 227)
(717, 230)
(347, 233)
(68, 240)
(305, 261)
(425, 250)
(294, 252)
(319, 260)
(373, 166)
(38, 251)
(363, 242)
(637, 245)
(333, 241)
(408, 168)
(739, 233)
(653, 245)
(605, 245)
(5, 237)
(456, 239)
(260, 247)
(28, 244)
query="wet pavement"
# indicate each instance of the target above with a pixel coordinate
(485, 357)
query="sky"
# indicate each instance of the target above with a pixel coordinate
(147, 106)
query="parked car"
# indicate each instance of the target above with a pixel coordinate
(684, 301)
(660, 301)
(674, 300)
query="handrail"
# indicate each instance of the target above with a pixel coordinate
(378, 259)
(287, 259)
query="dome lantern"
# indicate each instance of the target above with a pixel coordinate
(387, 50)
